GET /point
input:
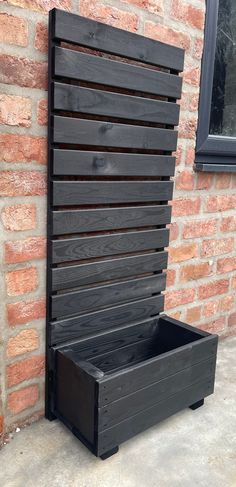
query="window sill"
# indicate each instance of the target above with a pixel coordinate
(199, 167)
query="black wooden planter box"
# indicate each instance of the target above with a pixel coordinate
(115, 365)
(112, 387)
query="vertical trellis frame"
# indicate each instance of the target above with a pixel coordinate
(112, 117)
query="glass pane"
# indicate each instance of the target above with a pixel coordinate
(223, 105)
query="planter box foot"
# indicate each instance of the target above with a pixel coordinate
(109, 453)
(197, 404)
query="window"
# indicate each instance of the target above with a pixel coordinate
(216, 136)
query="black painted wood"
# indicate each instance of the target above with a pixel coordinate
(103, 296)
(119, 243)
(69, 130)
(119, 410)
(91, 273)
(100, 192)
(114, 365)
(97, 102)
(74, 221)
(94, 69)
(82, 163)
(86, 32)
(143, 420)
(100, 321)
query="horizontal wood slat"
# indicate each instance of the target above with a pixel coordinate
(107, 319)
(98, 102)
(68, 130)
(103, 296)
(78, 221)
(95, 69)
(136, 402)
(139, 422)
(79, 30)
(90, 163)
(120, 243)
(108, 192)
(94, 272)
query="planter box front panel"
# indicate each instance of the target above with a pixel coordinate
(115, 366)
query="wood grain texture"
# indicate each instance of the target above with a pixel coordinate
(144, 398)
(110, 192)
(67, 130)
(95, 69)
(90, 163)
(107, 319)
(78, 221)
(120, 243)
(103, 296)
(94, 272)
(97, 102)
(158, 412)
(79, 30)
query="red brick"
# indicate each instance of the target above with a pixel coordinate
(186, 206)
(232, 319)
(190, 156)
(21, 281)
(41, 5)
(213, 288)
(198, 48)
(228, 224)
(233, 282)
(194, 99)
(23, 312)
(188, 14)
(176, 315)
(226, 265)
(15, 110)
(166, 34)
(25, 341)
(222, 181)
(42, 112)
(1, 425)
(187, 128)
(200, 228)
(22, 183)
(193, 314)
(23, 148)
(174, 231)
(23, 399)
(153, 6)
(195, 271)
(227, 303)
(217, 247)
(178, 154)
(220, 203)
(24, 250)
(25, 370)
(179, 297)
(171, 274)
(210, 309)
(14, 30)
(184, 181)
(23, 72)
(192, 76)
(19, 217)
(109, 15)
(205, 180)
(215, 326)
(41, 37)
(182, 252)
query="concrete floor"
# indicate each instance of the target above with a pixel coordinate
(193, 448)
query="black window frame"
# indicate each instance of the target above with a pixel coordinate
(213, 153)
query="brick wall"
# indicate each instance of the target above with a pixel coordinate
(202, 263)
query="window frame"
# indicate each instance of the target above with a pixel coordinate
(213, 153)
